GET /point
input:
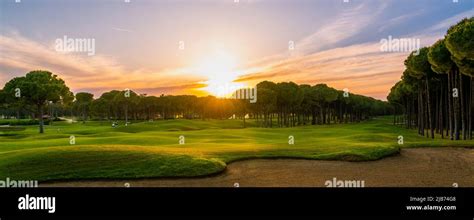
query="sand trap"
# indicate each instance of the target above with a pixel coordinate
(422, 167)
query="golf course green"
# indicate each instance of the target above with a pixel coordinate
(153, 149)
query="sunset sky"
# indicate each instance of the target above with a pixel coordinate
(226, 43)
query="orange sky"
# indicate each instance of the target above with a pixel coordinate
(212, 47)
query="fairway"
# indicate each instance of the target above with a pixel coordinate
(152, 149)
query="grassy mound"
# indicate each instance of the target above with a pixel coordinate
(102, 162)
(151, 149)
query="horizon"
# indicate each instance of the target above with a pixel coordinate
(214, 47)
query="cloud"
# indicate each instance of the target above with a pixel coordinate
(362, 68)
(82, 72)
(445, 24)
(346, 25)
(121, 29)
(320, 57)
(185, 89)
(400, 20)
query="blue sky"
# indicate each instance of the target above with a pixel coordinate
(137, 42)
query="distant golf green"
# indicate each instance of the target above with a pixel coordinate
(152, 149)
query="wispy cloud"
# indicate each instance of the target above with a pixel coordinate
(97, 73)
(400, 20)
(445, 24)
(362, 68)
(342, 52)
(346, 24)
(121, 29)
(318, 59)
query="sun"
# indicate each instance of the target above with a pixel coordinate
(220, 69)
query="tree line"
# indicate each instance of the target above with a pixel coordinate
(435, 94)
(286, 104)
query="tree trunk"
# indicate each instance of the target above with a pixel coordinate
(450, 105)
(126, 114)
(463, 112)
(471, 109)
(430, 121)
(440, 109)
(41, 121)
(321, 114)
(83, 114)
(421, 112)
(456, 105)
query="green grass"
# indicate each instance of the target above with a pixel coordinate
(151, 149)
